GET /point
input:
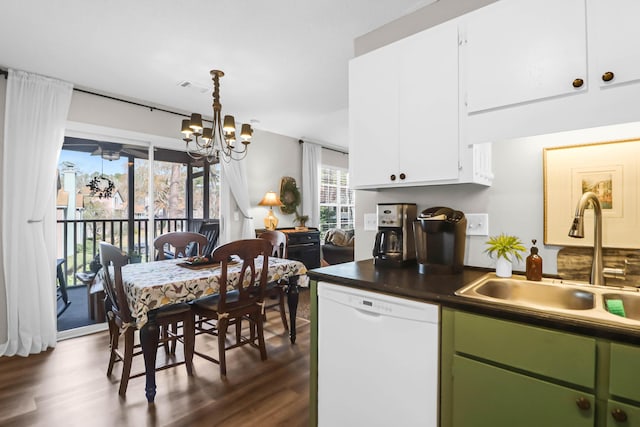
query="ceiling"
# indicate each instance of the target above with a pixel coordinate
(286, 61)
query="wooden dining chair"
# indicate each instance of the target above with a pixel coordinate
(237, 299)
(177, 244)
(122, 324)
(275, 290)
(211, 229)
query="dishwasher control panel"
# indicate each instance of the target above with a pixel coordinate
(377, 303)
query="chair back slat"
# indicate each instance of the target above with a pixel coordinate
(278, 242)
(179, 241)
(112, 260)
(211, 229)
(250, 286)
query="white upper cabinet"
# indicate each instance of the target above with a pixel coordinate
(429, 149)
(404, 111)
(373, 117)
(615, 40)
(533, 67)
(518, 51)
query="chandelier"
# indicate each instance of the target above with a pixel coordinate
(219, 141)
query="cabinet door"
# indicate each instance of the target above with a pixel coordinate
(373, 117)
(523, 50)
(615, 40)
(484, 395)
(622, 415)
(428, 149)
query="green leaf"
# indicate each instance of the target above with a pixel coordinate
(505, 246)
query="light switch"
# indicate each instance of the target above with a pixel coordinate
(370, 222)
(477, 224)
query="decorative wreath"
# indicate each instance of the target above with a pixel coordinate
(289, 195)
(101, 186)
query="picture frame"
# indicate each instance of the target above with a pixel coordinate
(609, 169)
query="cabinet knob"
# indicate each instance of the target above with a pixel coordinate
(393, 177)
(583, 403)
(608, 76)
(402, 176)
(619, 415)
(578, 83)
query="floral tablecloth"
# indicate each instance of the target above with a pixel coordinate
(154, 284)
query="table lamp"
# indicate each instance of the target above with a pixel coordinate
(270, 199)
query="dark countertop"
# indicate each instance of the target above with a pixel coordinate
(407, 282)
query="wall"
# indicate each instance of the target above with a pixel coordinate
(514, 202)
(276, 156)
(279, 156)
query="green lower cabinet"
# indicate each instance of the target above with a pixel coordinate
(624, 384)
(486, 395)
(622, 415)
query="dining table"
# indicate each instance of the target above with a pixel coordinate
(152, 285)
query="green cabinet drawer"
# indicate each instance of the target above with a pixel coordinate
(560, 355)
(624, 379)
(627, 415)
(486, 395)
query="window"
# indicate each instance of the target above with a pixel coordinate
(186, 192)
(336, 200)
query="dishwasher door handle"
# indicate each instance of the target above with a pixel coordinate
(367, 313)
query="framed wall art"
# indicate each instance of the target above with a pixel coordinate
(608, 169)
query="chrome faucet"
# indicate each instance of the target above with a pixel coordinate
(577, 231)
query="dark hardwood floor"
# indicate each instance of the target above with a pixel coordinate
(68, 386)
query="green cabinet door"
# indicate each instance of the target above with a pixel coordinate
(486, 395)
(622, 415)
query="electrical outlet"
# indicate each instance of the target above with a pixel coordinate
(477, 224)
(370, 222)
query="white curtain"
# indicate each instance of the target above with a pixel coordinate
(35, 116)
(311, 160)
(235, 174)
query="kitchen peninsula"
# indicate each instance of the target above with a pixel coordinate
(582, 372)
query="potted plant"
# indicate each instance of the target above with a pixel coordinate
(506, 248)
(302, 220)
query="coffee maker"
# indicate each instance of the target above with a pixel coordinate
(440, 235)
(394, 246)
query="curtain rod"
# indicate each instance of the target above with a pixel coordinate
(5, 73)
(150, 107)
(327, 148)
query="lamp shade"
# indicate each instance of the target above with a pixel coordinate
(270, 199)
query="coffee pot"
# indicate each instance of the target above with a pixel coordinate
(394, 246)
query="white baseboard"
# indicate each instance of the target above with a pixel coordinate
(84, 330)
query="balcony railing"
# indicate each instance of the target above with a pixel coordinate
(78, 240)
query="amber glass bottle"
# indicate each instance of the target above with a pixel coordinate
(534, 264)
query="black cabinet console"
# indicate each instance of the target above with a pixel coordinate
(302, 245)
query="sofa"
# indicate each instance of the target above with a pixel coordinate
(338, 246)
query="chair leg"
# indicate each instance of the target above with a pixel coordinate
(238, 330)
(164, 336)
(283, 314)
(189, 332)
(128, 358)
(172, 344)
(222, 332)
(261, 344)
(114, 338)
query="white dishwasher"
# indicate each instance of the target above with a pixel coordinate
(377, 359)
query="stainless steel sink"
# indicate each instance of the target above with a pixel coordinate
(535, 293)
(575, 299)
